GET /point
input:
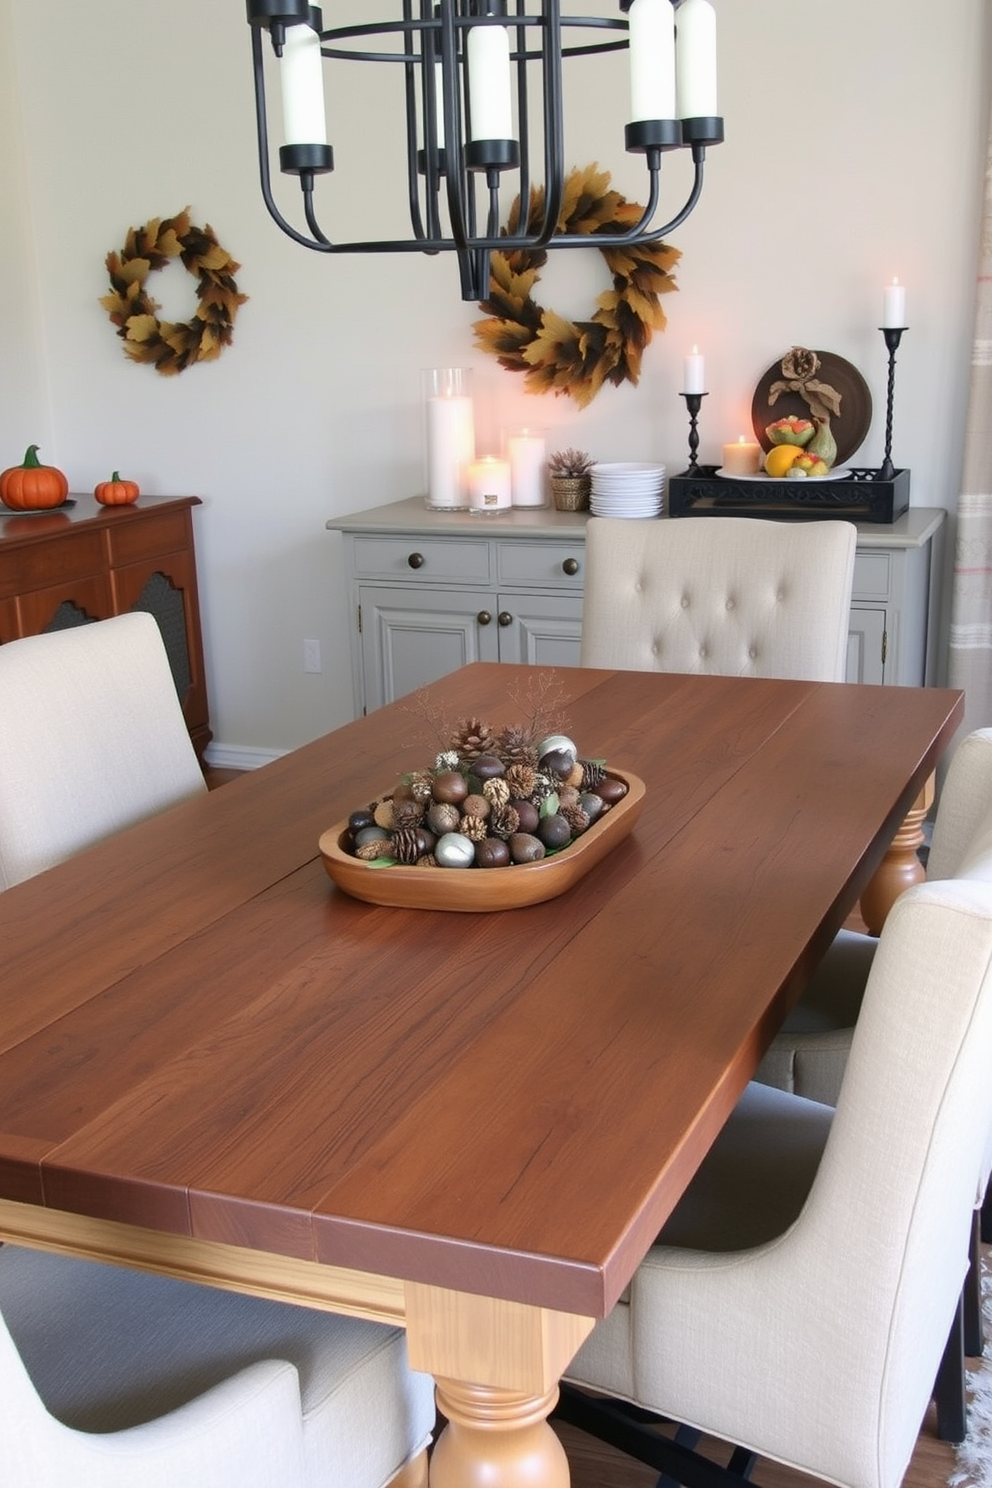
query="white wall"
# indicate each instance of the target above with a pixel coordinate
(855, 151)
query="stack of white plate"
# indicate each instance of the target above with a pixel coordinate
(627, 490)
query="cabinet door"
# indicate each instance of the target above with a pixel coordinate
(866, 646)
(540, 629)
(165, 586)
(410, 637)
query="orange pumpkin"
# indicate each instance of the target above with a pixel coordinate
(116, 492)
(32, 486)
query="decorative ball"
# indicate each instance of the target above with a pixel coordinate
(611, 790)
(443, 816)
(488, 767)
(591, 804)
(450, 785)
(454, 851)
(524, 848)
(492, 852)
(370, 834)
(557, 743)
(554, 831)
(359, 819)
(528, 815)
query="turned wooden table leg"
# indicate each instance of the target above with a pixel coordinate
(497, 1365)
(496, 1437)
(901, 866)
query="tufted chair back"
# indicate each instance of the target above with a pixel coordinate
(734, 596)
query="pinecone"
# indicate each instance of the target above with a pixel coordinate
(427, 861)
(521, 780)
(592, 773)
(408, 813)
(408, 845)
(517, 746)
(474, 828)
(496, 792)
(472, 737)
(577, 819)
(369, 851)
(504, 822)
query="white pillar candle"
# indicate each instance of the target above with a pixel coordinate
(742, 458)
(894, 311)
(450, 449)
(302, 81)
(489, 82)
(527, 454)
(489, 485)
(695, 60)
(652, 59)
(694, 373)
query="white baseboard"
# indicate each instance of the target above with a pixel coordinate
(238, 757)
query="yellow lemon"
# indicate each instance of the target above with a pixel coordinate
(780, 457)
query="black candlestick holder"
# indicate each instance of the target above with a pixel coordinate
(893, 335)
(693, 402)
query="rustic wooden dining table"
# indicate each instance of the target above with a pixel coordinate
(216, 1064)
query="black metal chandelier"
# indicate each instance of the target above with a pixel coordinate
(467, 68)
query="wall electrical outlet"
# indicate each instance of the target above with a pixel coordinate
(311, 656)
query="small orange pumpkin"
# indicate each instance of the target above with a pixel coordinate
(32, 486)
(116, 492)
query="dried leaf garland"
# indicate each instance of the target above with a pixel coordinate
(171, 346)
(554, 353)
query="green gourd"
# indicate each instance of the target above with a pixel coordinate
(823, 442)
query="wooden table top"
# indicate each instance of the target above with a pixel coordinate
(201, 1035)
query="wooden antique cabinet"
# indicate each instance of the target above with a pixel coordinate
(431, 591)
(85, 562)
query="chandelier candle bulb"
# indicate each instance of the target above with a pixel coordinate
(489, 485)
(302, 81)
(894, 309)
(527, 453)
(652, 60)
(695, 60)
(694, 373)
(742, 457)
(450, 424)
(489, 82)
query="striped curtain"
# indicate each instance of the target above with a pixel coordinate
(970, 653)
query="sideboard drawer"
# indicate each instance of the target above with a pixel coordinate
(436, 560)
(872, 576)
(36, 565)
(546, 564)
(131, 541)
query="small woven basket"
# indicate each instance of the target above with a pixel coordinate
(570, 492)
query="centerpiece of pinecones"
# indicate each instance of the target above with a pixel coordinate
(492, 799)
(569, 474)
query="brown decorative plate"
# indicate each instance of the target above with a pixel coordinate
(478, 890)
(849, 427)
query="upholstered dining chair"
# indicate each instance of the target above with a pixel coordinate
(727, 595)
(809, 1054)
(92, 740)
(799, 1299)
(120, 1378)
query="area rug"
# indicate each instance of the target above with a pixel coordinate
(973, 1467)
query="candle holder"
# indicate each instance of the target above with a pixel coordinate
(693, 402)
(893, 335)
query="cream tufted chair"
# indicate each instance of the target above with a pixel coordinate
(798, 1301)
(121, 1379)
(736, 596)
(810, 1053)
(92, 739)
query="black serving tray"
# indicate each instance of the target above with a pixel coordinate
(860, 497)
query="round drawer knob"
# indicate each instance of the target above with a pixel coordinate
(484, 617)
(416, 560)
(570, 566)
(504, 618)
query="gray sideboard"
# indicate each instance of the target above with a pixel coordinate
(430, 591)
